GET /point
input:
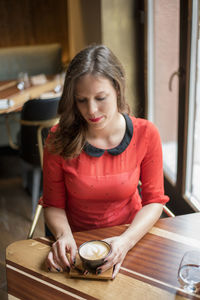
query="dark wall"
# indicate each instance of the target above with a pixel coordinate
(33, 22)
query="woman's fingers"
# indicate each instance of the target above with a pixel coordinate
(108, 265)
(114, 259)
(60, 252)
(51, 264)
(116, 269)
(73, 253)
(58, 259)
(57, 256)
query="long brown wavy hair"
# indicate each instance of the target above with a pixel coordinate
(70, 136)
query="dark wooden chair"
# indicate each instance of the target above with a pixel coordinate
(37, 116)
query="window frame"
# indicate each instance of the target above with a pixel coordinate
(180, 199)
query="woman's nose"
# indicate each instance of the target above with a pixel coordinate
(92, 107)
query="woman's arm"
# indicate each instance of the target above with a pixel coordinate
(141, 224)
(54, 202)
(57, 222)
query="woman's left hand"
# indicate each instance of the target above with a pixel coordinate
(119, 250)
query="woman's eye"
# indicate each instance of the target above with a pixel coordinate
(101, 98)
(81, 100)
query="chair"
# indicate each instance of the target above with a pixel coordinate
(37, 116)
(168, 212)
(39, 206)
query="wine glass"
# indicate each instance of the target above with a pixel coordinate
(23, 81)
(60, 82)
(189, 271)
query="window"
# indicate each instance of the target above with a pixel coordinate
(164, 63)
(173, 95)
(192, 188)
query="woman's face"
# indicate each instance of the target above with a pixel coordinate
(96, 100)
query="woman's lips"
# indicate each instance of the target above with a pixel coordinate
(95, 119)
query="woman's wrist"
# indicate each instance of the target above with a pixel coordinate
(57, 222)
(126, 241)
(63, 234)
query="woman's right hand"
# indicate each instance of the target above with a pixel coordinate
(57, 258)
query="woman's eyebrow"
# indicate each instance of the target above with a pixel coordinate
(83, 96)
(78, 95)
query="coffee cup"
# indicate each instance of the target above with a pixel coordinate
(93, 254)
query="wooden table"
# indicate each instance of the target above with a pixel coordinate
(149, 271)
(8, 90)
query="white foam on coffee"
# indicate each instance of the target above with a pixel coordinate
(94, 250)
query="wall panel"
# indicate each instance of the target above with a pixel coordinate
(33, 22)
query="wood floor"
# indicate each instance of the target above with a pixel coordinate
(15, 209)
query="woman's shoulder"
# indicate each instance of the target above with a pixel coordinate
(146, 133)
(145, 128)
(142, 124)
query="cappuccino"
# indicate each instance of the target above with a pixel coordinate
(94, 250)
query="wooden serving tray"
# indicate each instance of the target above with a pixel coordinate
(79, 270)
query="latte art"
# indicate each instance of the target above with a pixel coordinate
(94, 250)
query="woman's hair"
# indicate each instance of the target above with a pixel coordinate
(98, 60)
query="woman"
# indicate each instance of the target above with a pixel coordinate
(94, 159)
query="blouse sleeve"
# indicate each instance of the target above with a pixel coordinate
(152, 178)
(54, 192)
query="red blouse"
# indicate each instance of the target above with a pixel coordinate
(100, 188)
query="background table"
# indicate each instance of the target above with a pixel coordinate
(149, 271)
(8, 90)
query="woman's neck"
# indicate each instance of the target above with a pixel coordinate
(108, 137)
